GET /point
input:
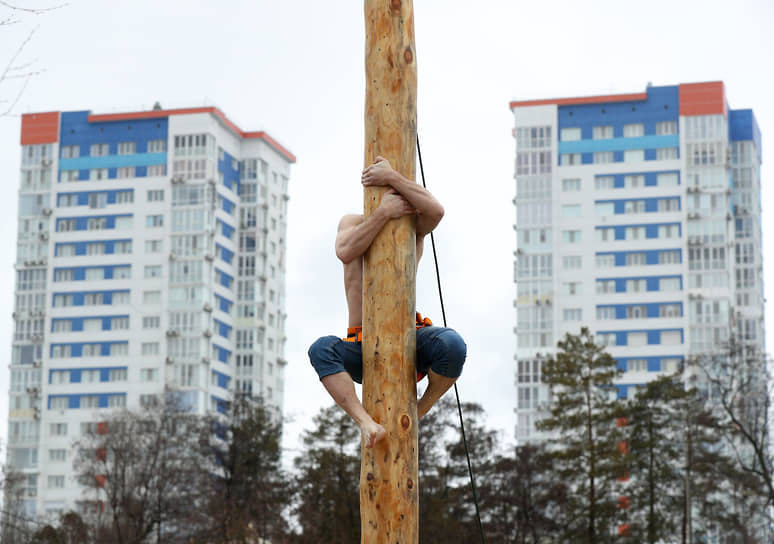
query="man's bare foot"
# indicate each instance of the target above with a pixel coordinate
(372, 433)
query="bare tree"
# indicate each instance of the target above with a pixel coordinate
(142, 473)
(737, 382)
(17, 71)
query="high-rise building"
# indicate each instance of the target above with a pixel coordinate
(151, 258)
(638, 216)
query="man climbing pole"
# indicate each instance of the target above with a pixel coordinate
(441, 351)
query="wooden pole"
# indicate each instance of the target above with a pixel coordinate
(389, 505)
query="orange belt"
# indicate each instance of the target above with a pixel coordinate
(355, 334)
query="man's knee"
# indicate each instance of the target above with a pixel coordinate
(450, 354)
(321, 354)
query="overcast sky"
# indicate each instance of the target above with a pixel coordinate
(295, 69)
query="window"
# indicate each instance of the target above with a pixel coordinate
(634, 181)
(606, 260)
(668, 180)
(152, 271)
(571, 288)
(602, 132)
(152, 221)
(571, 210)
(127, 148)
(571, 236)
(57, 455)
(606, 312)
(603, 157)
(636, 259)
(634, 206)
(633, 130)
(157, 170)
(572, 262)
(572, 314)
(668, 204)
(57, 429)
(153, 246)
(670, 310)
(664, 128)
(606, 339)
(570, 134)
(55, 482)
(634, 155)
(149, 374)
(604, 182)
(150, 348)
(669, 284)
(636, 312)
(151, 322)
(124, 197)
(98, 174)
(669, 257)
(637, 339)
(70, 151)
(671, 337)
(670, 364)
(669, 231)
(157, 146)
(126, 172)
(151, 297)
(99, 150)
(605, 286)
(666, 153)
(636, 285)
(637, 365)
(570, 159)
(156, 195)
(571, 185)
(117, 375)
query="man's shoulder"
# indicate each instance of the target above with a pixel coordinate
(350, 220)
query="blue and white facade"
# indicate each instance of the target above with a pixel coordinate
(150, 260)
(637, 216)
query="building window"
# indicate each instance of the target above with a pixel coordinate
(633, 130)
(126, 172)
(571, 185)
(153, 246)
(99, 150)
(671, 337)
(572, 134)
(605, 261)
(57, 455)
(571, 236)
(571, 210)
(149, 374)
(605, 286)
(668, 180)
(604, 182)
(156, 170)
(150, 348)
(637, 365)
(634, 155)
(571, 288)
(602, 132)
(70, 151)
(56, 482)
(151, 322)
(572, 262)
(153, 221)
(606, 312)
(98, 174)
(127, 148)
(634, 181)
(151, 297)
(636, 259)
(603, 157)
(572, 314)
(152, 271)
(571, 159)
(666, 153)
(156, 195)
(157, 146)
(664, 128)
(636, 312)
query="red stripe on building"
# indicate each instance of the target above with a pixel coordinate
(601, 99)
(154, 114)
(40, 128)
(703, 98)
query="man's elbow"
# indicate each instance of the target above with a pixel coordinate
(345, 254)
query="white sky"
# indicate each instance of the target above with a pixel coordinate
(295, 69)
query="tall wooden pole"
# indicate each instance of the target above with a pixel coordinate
(389, 506)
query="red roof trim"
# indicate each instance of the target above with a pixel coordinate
(154, 114)
(581, 100)
(40, 128)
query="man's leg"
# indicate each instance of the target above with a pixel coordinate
(339, 364)
(342, 389)
(441, 353)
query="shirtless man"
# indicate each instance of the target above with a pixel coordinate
(440, 351)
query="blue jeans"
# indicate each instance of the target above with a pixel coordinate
(439, 349)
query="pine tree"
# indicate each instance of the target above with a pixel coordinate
(328, 480)
(588, 447)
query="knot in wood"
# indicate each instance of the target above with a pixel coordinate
(410, 483)
(408, 56)
(370, 476)
(405, 421)
(395, 5)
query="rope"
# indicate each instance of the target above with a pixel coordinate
(456, 391)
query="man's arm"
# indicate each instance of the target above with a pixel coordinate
(429, 210)
(356, 233)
